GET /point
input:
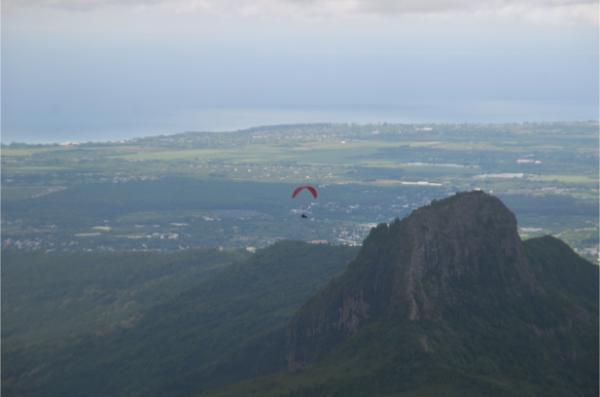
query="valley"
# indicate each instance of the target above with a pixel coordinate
(175, 191)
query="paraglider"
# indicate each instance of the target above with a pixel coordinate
(311, 189)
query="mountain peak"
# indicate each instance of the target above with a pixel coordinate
(466, 238)
(456, 251)
(464, 212)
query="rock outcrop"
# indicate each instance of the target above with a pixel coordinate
(453, 252)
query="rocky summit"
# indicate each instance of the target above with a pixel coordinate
(451, 295)
(442, 256)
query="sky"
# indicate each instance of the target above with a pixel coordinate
(111, 69)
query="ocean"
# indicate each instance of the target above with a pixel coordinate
(57, 127)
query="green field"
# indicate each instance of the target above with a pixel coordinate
(368, 173)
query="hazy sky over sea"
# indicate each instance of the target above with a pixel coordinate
(88, 69)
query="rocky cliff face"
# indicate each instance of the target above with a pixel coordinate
(460, 251)
(448, 301)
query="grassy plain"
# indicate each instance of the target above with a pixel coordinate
(381, 172)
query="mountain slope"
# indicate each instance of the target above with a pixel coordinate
(172, 347)
(51, 296)
(448, 301)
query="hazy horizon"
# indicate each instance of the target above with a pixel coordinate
(220, 119)
(99, 69)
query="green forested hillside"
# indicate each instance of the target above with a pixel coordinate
(147, 323)
(448, 301)
(47, 297)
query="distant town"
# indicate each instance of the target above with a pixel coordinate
(232, 189)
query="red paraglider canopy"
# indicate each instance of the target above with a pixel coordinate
(310, 188)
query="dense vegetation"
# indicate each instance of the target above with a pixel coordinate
(201, 321)
(144, 323)
(48, 297)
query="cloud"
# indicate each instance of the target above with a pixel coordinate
(527, 9)
(539, 10)
(82, 5)
(410, 6)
